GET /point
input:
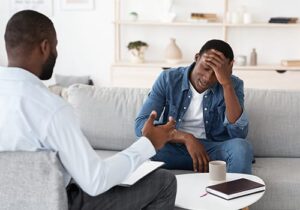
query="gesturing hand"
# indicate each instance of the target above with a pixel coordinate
(220, 65)
(161, 134)
(198, 154)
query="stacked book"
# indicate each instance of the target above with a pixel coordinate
(283, 20)
(204, 17)
(290, 62)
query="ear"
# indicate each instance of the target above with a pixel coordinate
(197, 56)
(45, 49)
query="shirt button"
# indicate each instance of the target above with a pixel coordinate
(205, 96)
(179, 120)
(184, 107)
(206, 121)
(205, 109)
(189, 96)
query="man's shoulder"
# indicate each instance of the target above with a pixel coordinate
(174, 74)
(50, 101)
(177, 71)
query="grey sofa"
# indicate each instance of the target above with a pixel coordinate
(107, 119)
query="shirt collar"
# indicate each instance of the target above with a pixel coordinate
(186, 80)
(18, 74)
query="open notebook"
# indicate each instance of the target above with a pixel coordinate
(144, 169)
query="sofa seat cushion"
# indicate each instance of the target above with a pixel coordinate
(282, 179)
(31, 181)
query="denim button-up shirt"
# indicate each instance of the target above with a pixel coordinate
(171, 96)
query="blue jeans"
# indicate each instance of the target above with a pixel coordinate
(237, 153)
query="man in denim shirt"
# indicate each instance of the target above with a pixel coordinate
(207, 102)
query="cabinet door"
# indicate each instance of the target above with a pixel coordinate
(134, 76)
(269, 79)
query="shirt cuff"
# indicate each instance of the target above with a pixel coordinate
(144, 148)
(241, 122)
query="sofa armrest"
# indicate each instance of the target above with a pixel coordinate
(31, 181)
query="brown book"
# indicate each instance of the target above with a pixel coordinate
(204, 16)
(290, 62)
(236, 188)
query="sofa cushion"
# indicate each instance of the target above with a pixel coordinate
(107, 114)
(68, 80)
(31, 181)
(282, 179)
(274, 117)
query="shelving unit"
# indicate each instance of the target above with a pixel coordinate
(121, 64)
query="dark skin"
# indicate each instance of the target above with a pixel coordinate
(34, 62)
(210, 68)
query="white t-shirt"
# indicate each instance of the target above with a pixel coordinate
(33, 119)
(192, 121)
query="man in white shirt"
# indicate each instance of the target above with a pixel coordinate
(33, 119)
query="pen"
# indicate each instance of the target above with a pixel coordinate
(203, 195)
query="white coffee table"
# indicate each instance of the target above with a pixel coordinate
(190, 187)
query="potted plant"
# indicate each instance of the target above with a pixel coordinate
(133, 16)
(137, 50)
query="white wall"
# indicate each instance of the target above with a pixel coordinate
(85, 39)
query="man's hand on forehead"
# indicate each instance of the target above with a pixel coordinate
(213, 54)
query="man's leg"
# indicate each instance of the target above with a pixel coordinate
(237, 153)
(175, 156)
(155, 191)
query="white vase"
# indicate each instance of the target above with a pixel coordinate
(172, 52)
(137, 56)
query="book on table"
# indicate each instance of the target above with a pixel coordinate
(144, 169)
(236, 188)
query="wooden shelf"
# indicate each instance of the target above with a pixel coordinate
(162, 64)
(155, 64)
(268, 68)
(264, 25)
(160, 23)
(210, 24)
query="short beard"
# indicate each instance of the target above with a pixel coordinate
(48, 66)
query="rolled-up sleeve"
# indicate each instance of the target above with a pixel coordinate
(155, 101)
(238, 129)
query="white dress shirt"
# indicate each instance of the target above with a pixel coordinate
(34, 119)
(192, 121)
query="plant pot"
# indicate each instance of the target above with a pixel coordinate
(137, 55)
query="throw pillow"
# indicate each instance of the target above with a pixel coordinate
(66, 81)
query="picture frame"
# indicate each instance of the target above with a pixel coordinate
(43, 6)
(77, 4)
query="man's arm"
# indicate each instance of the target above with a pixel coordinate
(93, 174)
(236, 121)
(196, 150)
(238, 129)
(156, 100)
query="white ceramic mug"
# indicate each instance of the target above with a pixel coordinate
(217, 170)
(241, 60)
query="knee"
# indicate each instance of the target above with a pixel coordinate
(168, 179)
(241, 147)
